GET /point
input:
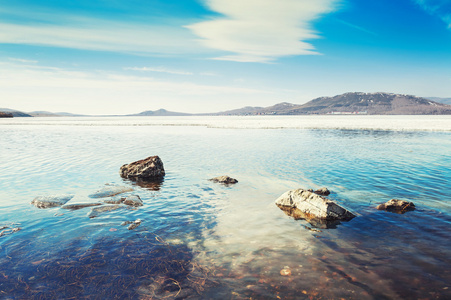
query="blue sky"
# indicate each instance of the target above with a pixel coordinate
(119, 57)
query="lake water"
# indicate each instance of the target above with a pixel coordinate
(202, 240)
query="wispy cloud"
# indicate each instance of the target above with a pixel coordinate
(360, 28)
(439, 8)
(72, 31)
(159, 70)
(25, 61)
(262, 30)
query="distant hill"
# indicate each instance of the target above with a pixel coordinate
(440, 100)
(160, 113)
(374, 104)
(15, 113)
(51, 114)
(271, 110)
(362, 103)
(6, 115)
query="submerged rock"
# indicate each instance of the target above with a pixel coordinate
(96, 211)
(149, 168)
(51, 200)
(224, 180)
(397, 206)
(322, 192)
(314, 206)
(110, 190)
(133, 224)
(6, 230)
(297, 214)
(114, 200)
(286, 271)
(75, 206)
(133, 200)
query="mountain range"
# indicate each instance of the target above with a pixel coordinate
(353, 103)
(348, 103)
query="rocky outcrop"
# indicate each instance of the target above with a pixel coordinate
(147, 169)
(110, 190)
(51, 200)
(397, 206)
(313, 206)
(224, 180)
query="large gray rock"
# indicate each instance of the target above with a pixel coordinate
(51, 200)
(313, 205)
(397, 206)
(110, 190)
(149, 168)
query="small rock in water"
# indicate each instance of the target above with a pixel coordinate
(134, 224)
(224, 180)
(322, 192)
(285, 271)
(110, 190)
(51, 200)
(148, 168)
(397, 206)
(133, 200)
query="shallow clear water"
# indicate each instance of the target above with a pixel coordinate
(199, 239)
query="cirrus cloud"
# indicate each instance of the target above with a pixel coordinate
(262, 30)
(439, 8)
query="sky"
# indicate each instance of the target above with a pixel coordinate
(200, 56)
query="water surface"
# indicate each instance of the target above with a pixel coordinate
(199, 239)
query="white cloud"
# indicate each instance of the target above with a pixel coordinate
(261, 30)
(439, 8)
(159, 70)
